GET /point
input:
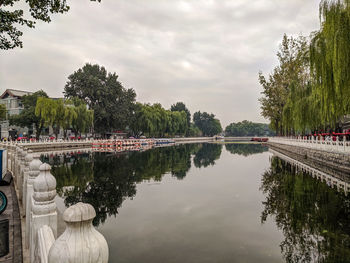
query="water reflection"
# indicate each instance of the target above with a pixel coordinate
(105, 180)
(207, 155)
(245, 149)
(314, 217)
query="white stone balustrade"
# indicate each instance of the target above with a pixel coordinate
(22, 153)
(36, 187)
(45, 242)
(80, 242)
(314, 143)
(32, 175)
(27, 159)
(43, 207)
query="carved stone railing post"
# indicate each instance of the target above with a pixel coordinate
(43, 206)
(80, 242)
(27, 159)
(15, 165)
(33, 173)
(22, 154)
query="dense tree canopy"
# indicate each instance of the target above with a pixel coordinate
(180, 106)
(11, 18)
(112, 104)
(27, 117)
(207, 123)
(247, 128)
(155, 121)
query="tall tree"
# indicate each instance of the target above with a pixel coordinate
(52, 112)
(27, 117)
(82, 120)
(291, 71)
(207, 123)
(180, 106)
(112, 104)
(11, 18)
(154, 120)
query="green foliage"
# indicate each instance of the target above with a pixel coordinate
(51, 111)
(309, 90)
(207, 123)
(248, 128)
(155, 121)
(10, 19)
(65, 114)
(82, 120)
(180, 106)
(292, 71)
(3, 112)
(194, 131)
(28, 117)
(330, 61)
(112, 104)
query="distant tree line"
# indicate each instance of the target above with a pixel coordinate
(115, 108)
(309, 89)
(248, 128)
(95, 101)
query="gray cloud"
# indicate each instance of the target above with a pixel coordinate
(206, 53)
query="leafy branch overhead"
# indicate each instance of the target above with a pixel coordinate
(11, 18)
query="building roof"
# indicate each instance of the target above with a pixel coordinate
(15, 93)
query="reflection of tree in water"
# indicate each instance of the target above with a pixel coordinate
(245, 149)
(314, 218)
(105, 180)
(71, 170)
(207, 155)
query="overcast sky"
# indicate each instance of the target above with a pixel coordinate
(206, 53)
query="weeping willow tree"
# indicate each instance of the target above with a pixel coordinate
(330, 61)
(310, 89)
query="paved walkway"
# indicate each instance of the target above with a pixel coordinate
(12, 214)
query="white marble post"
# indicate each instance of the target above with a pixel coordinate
(27, 159)
(33, 173)
(15, 165)
(43, 206)
(22, 153)
(80, 242)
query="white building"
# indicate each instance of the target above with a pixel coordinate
(12, 100)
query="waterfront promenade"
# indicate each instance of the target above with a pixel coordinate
(10, 228)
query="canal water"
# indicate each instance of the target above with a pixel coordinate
(206, 203)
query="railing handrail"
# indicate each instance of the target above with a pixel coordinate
(340, 146)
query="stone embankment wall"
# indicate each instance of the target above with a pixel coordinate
(335, 164)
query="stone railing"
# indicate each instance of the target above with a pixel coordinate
(339, 146)
(36, 188)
